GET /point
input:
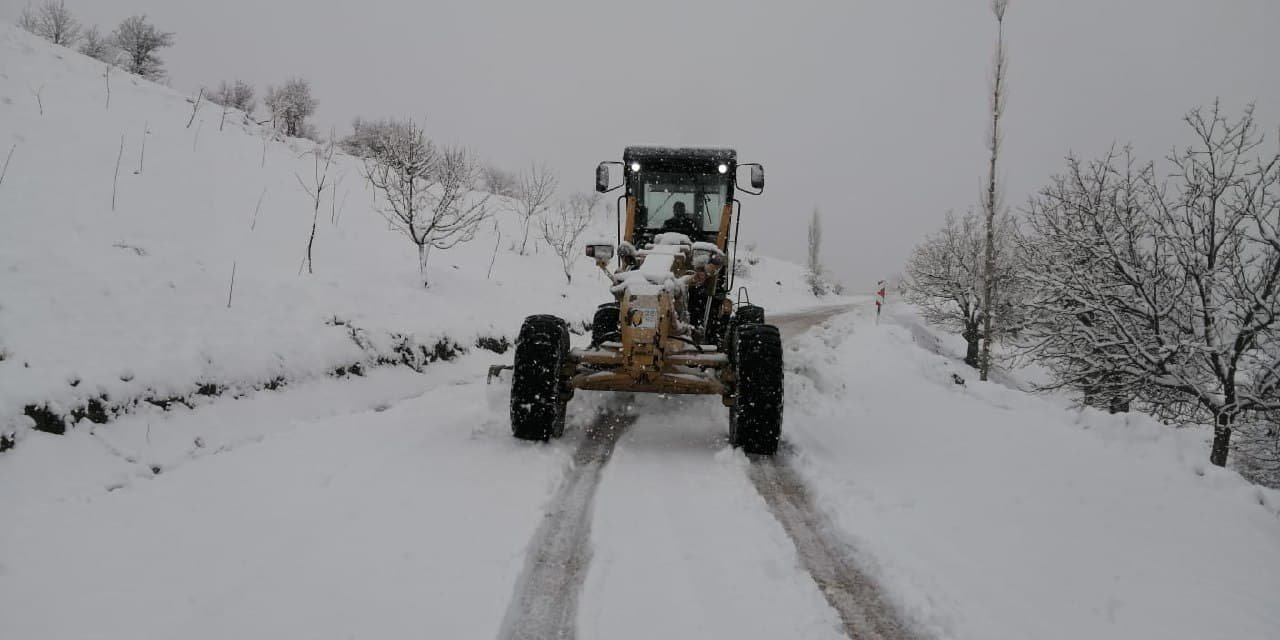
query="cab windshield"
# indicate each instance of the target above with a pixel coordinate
(702, 196)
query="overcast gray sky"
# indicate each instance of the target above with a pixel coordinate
(872, 111)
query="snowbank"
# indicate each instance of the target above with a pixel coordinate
(390, 506)
(992, 513)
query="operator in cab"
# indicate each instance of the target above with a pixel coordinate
(682, 222)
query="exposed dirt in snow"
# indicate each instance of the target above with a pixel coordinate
(865, 614)
(545, 603)
(828, 559)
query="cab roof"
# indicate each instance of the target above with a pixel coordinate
(642, 153)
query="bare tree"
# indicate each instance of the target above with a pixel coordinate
(427, 192)
(945, 278)
(99, 47)
(139, 41)
(233, 95)
(991, 201)
(813, 265)
(499, 182)
(1169, 291)
(533, 195)
(29, 20)
(290, 106)
(368, 138)
(563, 227)
(53, 22)
(323, 156)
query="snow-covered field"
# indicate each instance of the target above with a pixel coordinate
(396, 503)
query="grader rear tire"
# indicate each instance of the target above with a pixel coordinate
(604, 326)
(755, 419)
(539, 394)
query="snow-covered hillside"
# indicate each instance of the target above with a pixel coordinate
(101, 307)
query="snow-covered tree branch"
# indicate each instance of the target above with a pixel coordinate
(427, 192)
(945, 278)
(1166, 291)
(562, 228)
(533, 194)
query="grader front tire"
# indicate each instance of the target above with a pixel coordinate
(755, 419)
(538, 396)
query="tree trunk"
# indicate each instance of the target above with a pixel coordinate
(971, 354)
(1221, 439)
(1119, 405)
(524, 241)
(424, 251)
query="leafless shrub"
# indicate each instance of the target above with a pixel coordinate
(426, 192)
(97, 46)
(534, 192)
(236, 95)
(562, 228)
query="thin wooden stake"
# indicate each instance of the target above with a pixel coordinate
(143, 153)
(232, 290)
(115, 183)
(39, 100)
(253, 225)
(196, 108)
(7, 158)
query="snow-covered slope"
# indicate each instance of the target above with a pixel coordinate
(993, 513)
(131, 302)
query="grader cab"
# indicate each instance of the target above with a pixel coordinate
(671, 326)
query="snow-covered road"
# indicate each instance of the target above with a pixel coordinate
(397, 504)
(684, 540)
(369, 507)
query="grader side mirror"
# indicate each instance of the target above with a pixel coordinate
(757, 179)
(602, 178)
(602, 253)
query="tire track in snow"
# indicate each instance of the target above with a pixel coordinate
(855, 597)
(545, 603)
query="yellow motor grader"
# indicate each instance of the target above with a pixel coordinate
(671, 327)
